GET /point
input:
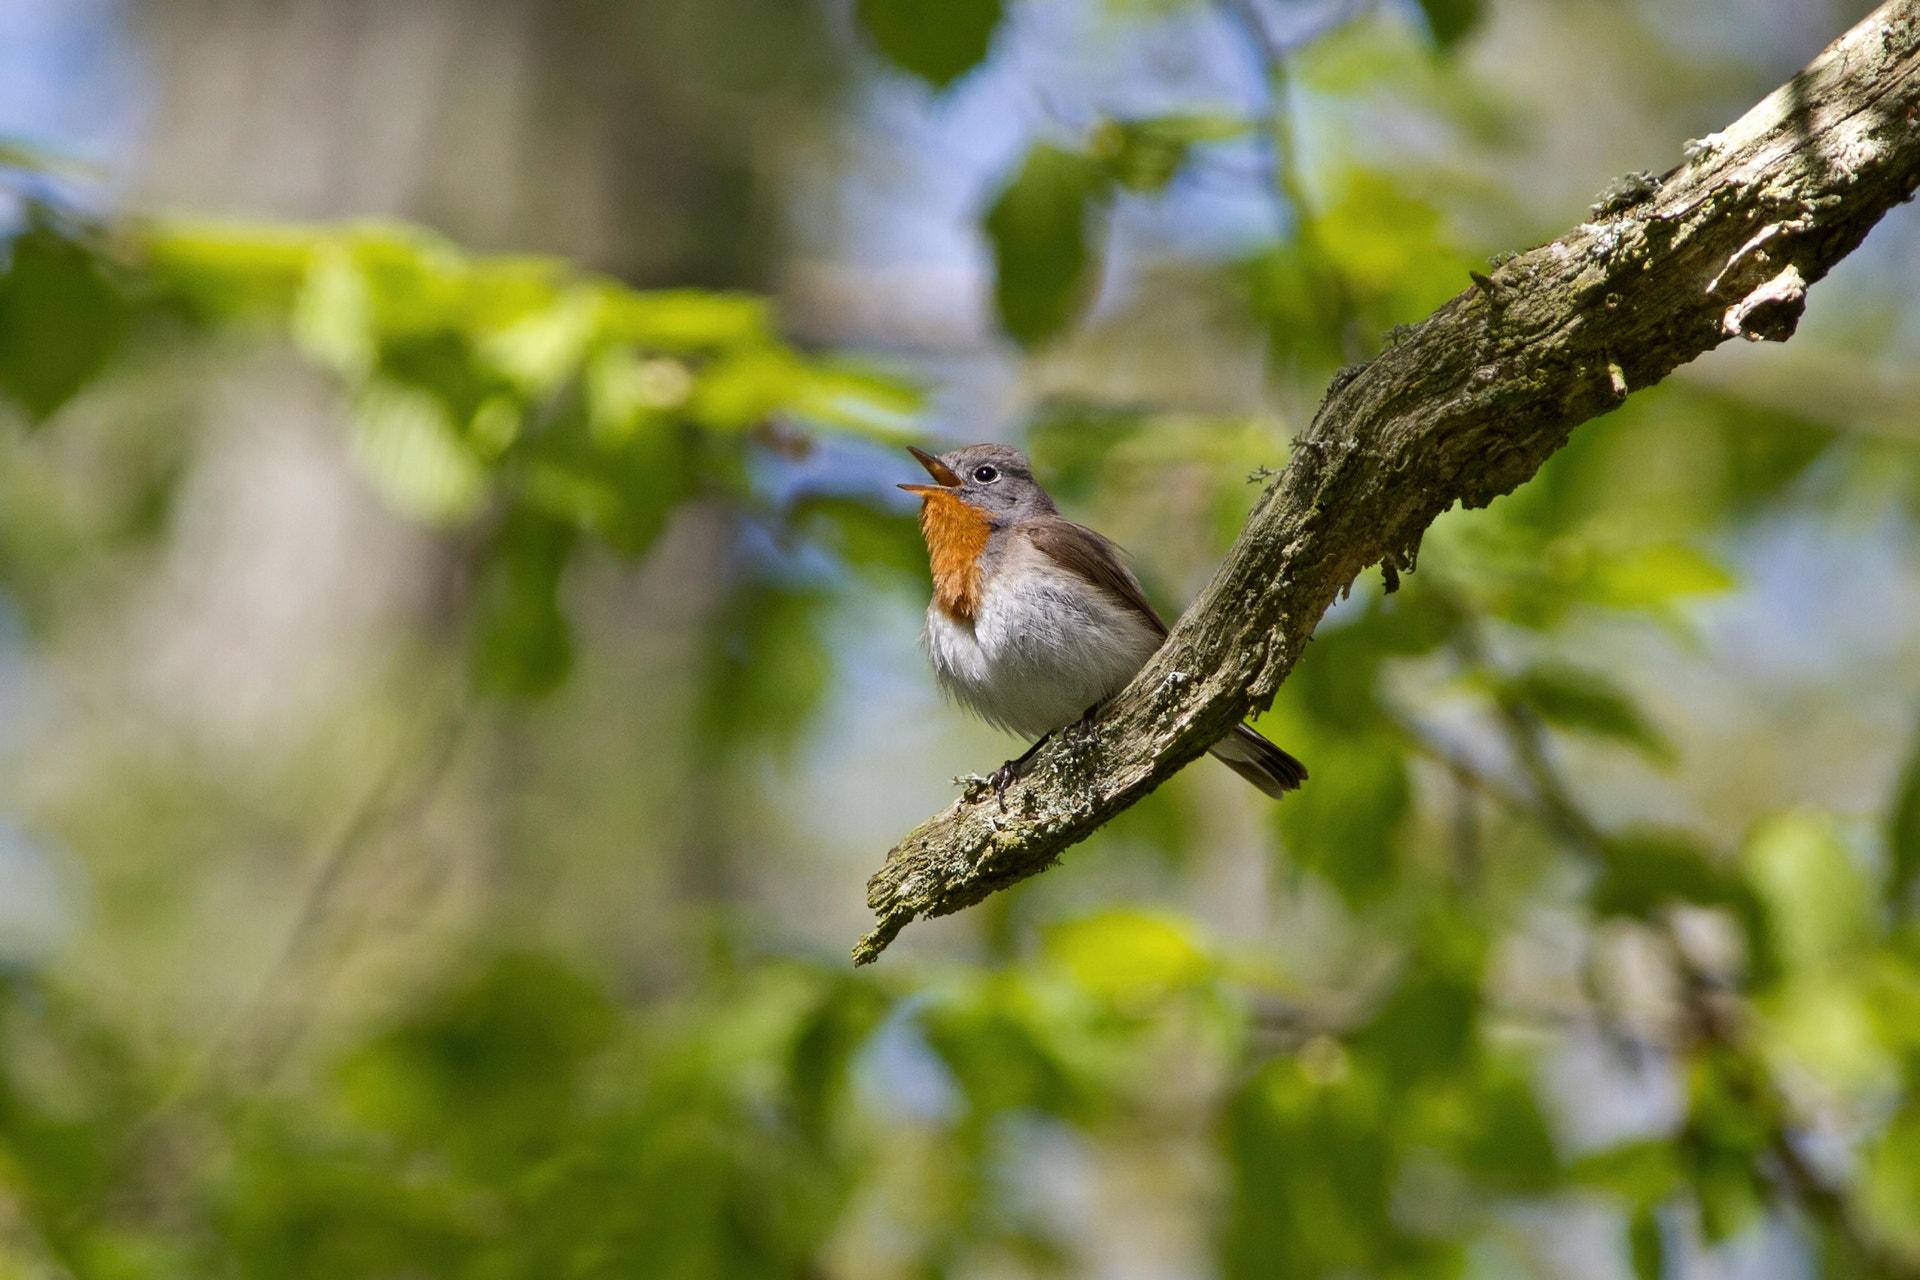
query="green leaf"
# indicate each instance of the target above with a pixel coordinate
(1424, 1029)
(1903, 838)
(937, 40)
(1045, 267)
(1572, 698)
(1733, 1116)
(1647, 870)
(1314, 1167)
(1503, 1139)
(223, 272)
(1645, 1246)
(1144, 155)
(1450, 20)
(1003, 1052)
(406, 443)
(489, 1067)
(1653, 576)
(333, 314)
(855, 399)
(770, 665)
(541, 351)
(740, 390)
(685, 320)
(848, 1011)
(1890, 1196)
(864, 536)
(1641, 1173)
(1300, 301)
(1070, 440)
(1347, 824)
(1128, 956)
(1819, 899)
(523, 647)
(622, 488)
(60, 320)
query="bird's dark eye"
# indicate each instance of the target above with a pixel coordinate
(985, 475)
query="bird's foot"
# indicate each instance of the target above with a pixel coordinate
(1085, 732)
(1003, 777)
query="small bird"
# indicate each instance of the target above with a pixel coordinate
(1035, 620)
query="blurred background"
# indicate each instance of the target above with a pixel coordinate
(459, 664)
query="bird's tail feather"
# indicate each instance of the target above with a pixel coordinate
(1259, 762)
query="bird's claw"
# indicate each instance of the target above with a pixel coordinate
(1001, 779)
(1086, 730)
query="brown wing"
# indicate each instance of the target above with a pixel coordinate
(1080, 550)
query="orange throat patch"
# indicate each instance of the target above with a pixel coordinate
(956, 534)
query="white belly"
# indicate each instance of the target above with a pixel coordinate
(1037, 655)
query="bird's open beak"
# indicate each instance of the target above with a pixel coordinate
(937, 469)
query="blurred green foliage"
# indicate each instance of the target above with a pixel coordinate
(937, 40)
(509, 397)
(1375, 1100)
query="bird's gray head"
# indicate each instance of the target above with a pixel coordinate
(996, 479)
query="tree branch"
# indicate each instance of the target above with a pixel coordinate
(1466, 408)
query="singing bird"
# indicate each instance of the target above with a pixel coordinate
(1035, 620)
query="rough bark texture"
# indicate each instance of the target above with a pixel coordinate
(1466, 407)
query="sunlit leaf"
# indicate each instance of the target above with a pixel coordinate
(1828, 1030)
(740, 390)
(60, 320)
(859, 400)
(1817, 896)
(541, 351)
(1044, 263)
(625, 391)
(406, 444)
(1002, 1051)
(332, 319)
(937, 40)
(686, 319)
(1656, 575)
(1127, 955)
